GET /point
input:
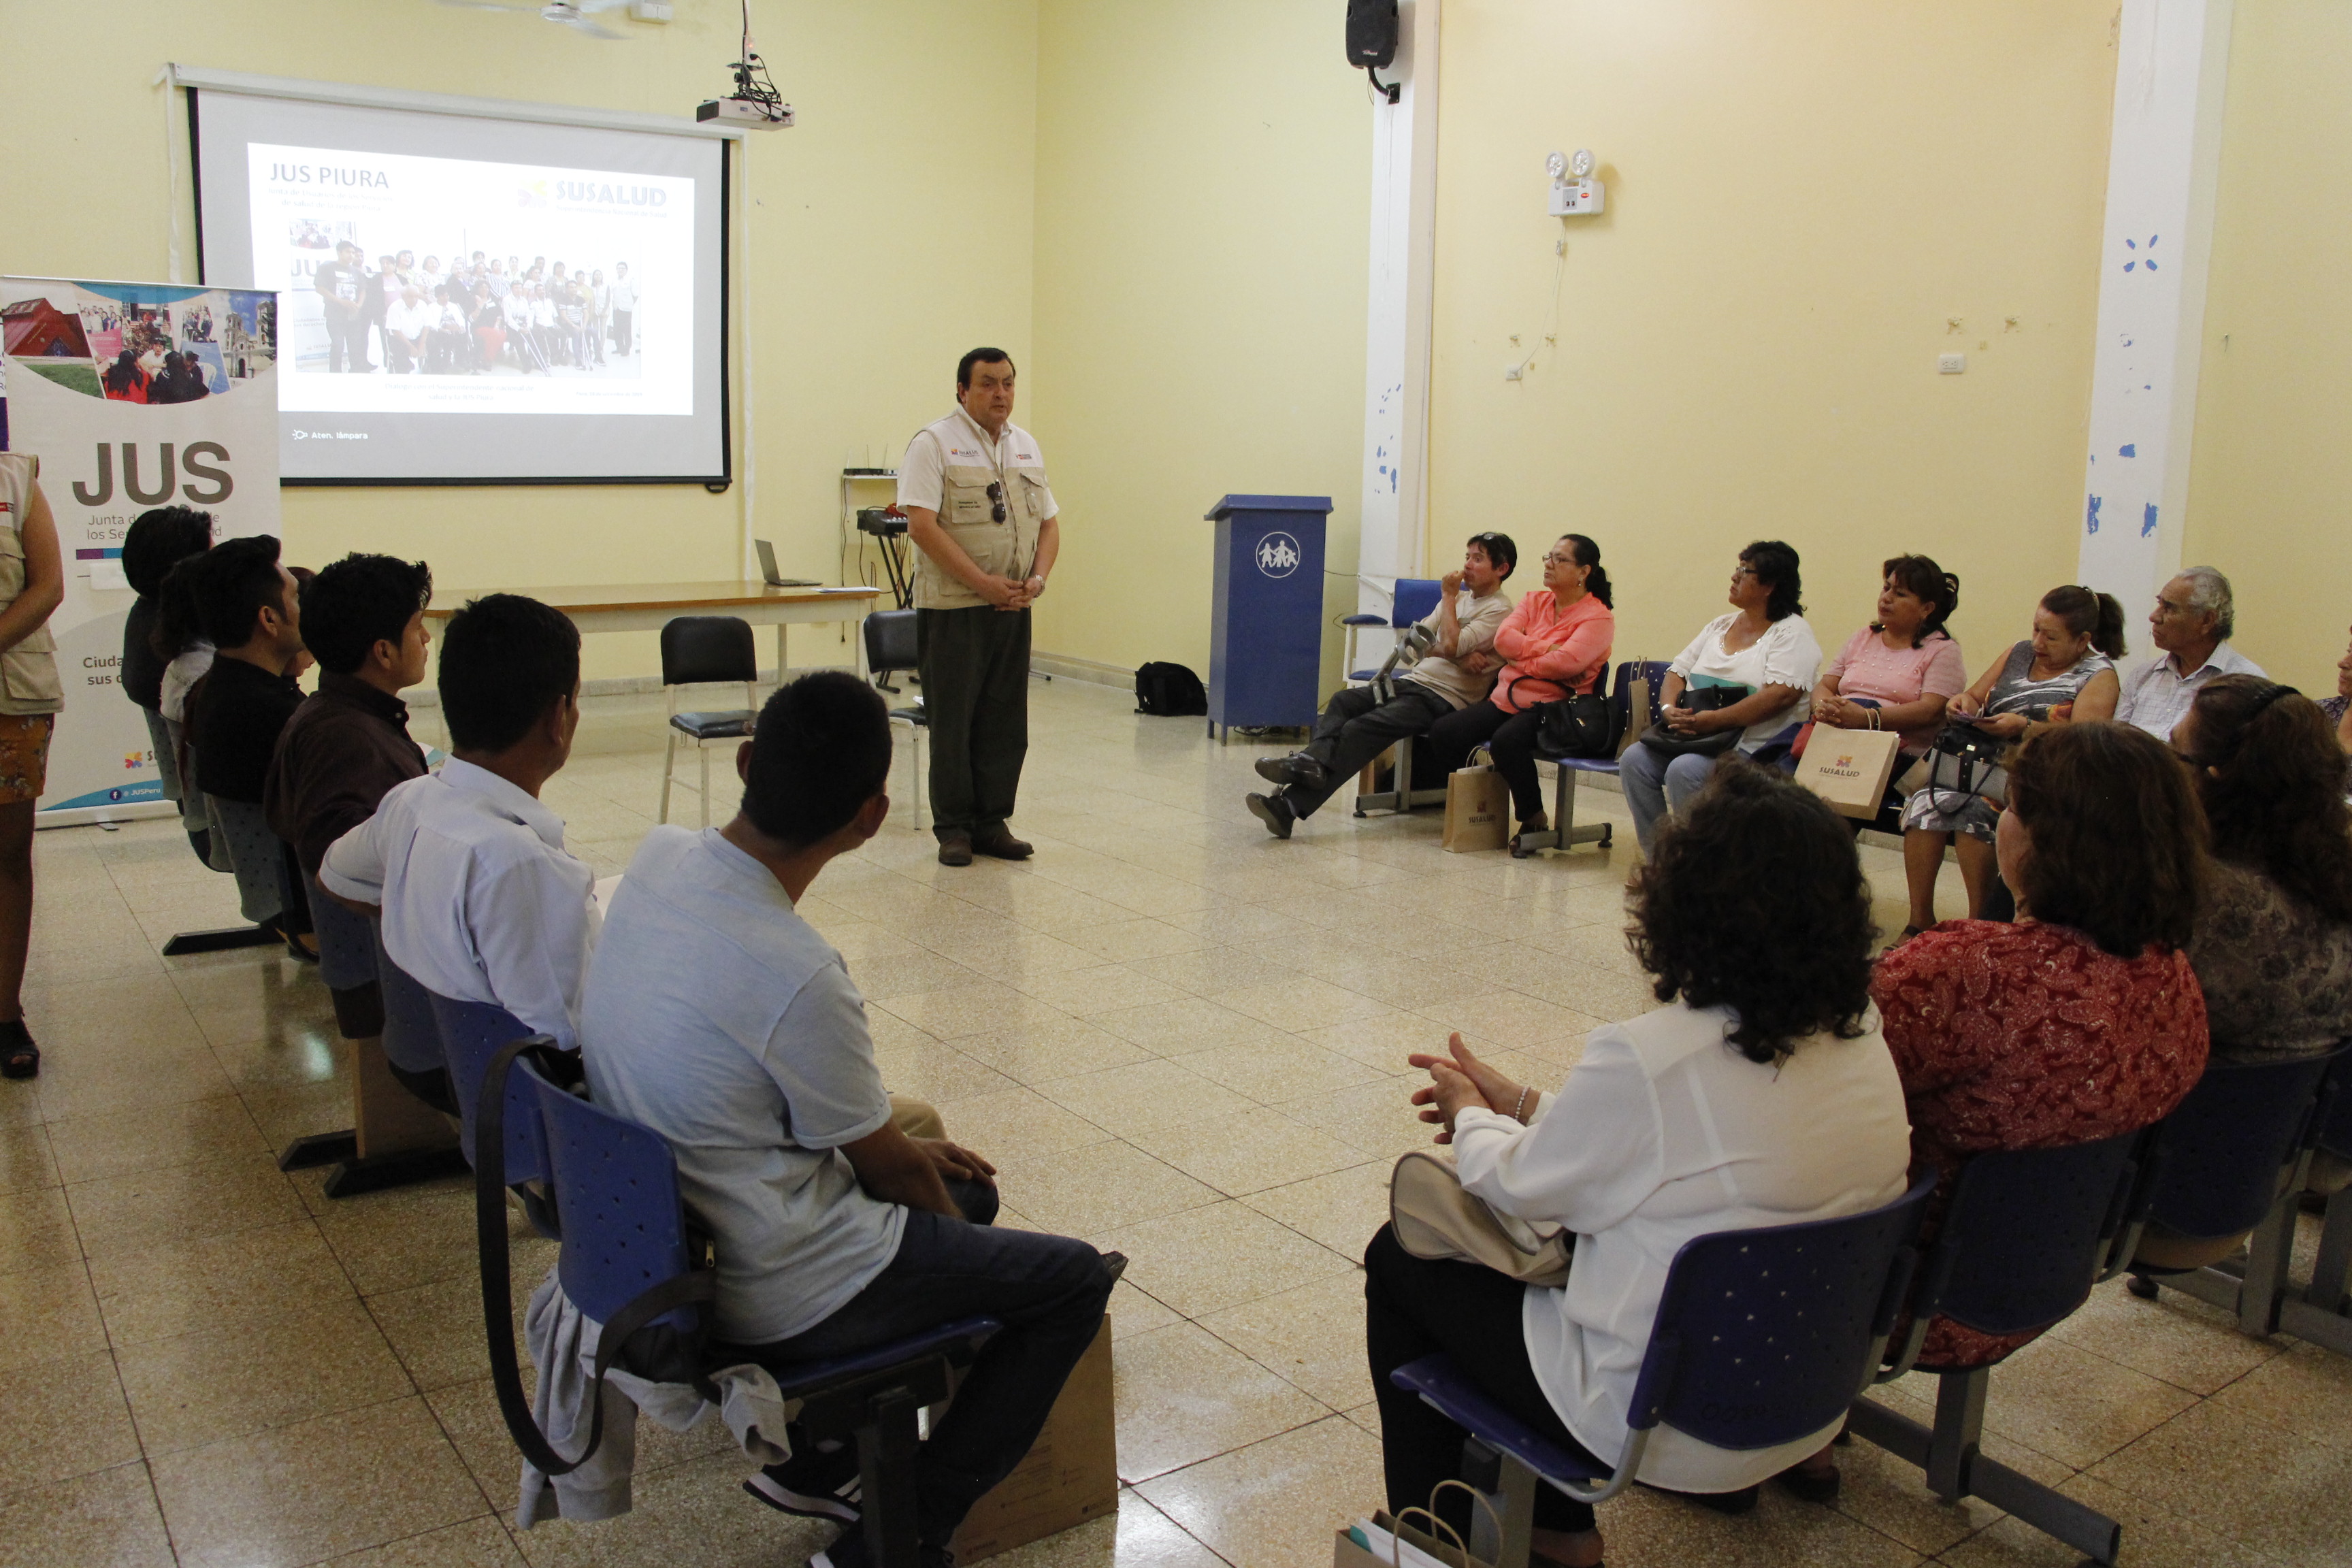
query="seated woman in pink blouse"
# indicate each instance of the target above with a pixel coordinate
(1897, 672)
(1554, 645)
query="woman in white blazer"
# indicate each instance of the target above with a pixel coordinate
(1760, 1095)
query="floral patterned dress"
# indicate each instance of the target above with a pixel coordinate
(2030, 1037)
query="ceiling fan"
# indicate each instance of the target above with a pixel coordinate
(572, 14)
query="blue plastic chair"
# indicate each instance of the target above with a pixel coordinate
(472, 1036)
(2027, 1234)
(1414, 598)
(628, 1262)
(1762, 1337)
(2317, 1313)
(1620, 691)
(2234, 1153)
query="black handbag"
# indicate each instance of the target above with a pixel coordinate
(1964, 761)
(1698, 700)
(1577, 727)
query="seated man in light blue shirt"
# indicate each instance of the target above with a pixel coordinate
(480, 900)
(715, 1014)
(2190, 626)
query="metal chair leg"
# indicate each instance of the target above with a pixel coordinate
(2268, 1253)
(670, 763)
(2331, 1274)
(887, 1451)
(1959, 1427)
(702, 749)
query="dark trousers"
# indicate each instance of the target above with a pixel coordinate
(975, 668)
(1048, 1291)
(1355, 727)
(1511, 737)
(1415, 1307)
(346, 341)
(621, 320)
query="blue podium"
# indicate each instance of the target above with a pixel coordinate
(1266, 637)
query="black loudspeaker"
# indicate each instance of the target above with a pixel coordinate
(1372, 34)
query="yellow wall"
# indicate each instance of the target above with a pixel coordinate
(2272, 462)
(1203, 208)
(915, 133)
(1800, 195)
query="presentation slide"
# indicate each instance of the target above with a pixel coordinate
(469, 300)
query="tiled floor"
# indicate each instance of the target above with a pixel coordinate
(1174, 1034)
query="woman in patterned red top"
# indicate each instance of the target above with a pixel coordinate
(2081, 1021)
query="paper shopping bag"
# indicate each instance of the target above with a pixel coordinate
(1477, 810)
(1849, 768)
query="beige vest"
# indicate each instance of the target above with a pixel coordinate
(28, 672)
(968, 513)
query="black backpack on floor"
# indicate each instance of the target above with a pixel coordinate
(1169, 691)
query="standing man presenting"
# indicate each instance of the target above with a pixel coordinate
(973, 488)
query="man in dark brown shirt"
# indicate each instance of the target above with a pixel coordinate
(363, 618)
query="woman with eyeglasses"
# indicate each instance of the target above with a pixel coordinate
(1759, 662)
(2064, 671)
(2274, 942)
(1553, 645)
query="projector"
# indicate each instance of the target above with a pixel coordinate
(745, 112)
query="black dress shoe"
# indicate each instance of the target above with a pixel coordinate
(1298, 768)
(1000, 845)
(955, 849)
(1275, 812)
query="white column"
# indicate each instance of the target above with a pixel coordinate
(1396, 332)
(2163, 164)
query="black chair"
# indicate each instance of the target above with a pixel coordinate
(2026, 1236)
(629, 1263)
(1762, 1337)
(2233, 1154)
(1564, 831)
(890, 646)
(698, 651)
(2317, 1313)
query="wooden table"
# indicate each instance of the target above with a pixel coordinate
(650, 606)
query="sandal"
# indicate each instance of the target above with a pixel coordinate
(19, 1058)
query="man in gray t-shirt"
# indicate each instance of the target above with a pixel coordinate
(1362, 721)
(715, 1014)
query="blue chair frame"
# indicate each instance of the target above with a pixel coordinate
(1762, 1337)
(2026, 1237)
(472, 1036)
(629, 1262)
(2236, 1152)
(1564, 832)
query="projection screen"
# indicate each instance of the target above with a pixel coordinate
(474, 301)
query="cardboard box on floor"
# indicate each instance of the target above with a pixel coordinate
(1069, 1476)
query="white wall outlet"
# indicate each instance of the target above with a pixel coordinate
(1514, 372)
(651, 10)
(1951, 365)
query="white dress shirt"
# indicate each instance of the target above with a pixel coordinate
(2157, 696)
(1665, 1133)
(480, 902)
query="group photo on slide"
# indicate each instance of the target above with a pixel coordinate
(479, 315)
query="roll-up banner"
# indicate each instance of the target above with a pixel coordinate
(133, 396)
